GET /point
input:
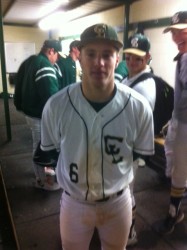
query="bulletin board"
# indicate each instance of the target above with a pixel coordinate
(16, 53)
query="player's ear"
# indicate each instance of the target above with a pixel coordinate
(117, 60)
(80, 59)
(148, 57)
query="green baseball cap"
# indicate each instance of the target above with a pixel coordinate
(100, 32)
(178, 21)
(138, 44)
(52, 43)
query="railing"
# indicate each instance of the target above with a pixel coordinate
(8, 235)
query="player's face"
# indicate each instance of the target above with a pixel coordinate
(76, 52)
(53, 56)
(180, 38)
(98, 62)
(135, 63)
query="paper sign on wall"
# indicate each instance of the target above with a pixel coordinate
(16, 53)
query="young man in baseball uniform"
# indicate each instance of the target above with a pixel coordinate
(97, 126)
(137, 56)
(178, 29)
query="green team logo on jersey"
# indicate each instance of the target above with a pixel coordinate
(112, 149)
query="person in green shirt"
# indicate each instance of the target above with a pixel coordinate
(121, 72)
(36, 81)
(69, 65)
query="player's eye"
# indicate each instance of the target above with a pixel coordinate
(106, 56)
(137, 59)
(91, 54)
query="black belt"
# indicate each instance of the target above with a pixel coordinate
(67, 193)
(106, 198)
(112, 196)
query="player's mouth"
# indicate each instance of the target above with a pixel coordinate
(98, 74)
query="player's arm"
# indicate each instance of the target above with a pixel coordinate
(45, 158)
(47, 83)
(181, 107)
(136, 156)
(144, 143)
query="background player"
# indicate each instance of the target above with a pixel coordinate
(36, 80)
(97, 125)
(178, 173)
(137, 55)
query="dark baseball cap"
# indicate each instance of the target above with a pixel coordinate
(74, 44)
(138, 44)
(52, 43)
(100, 32)
(178, 21)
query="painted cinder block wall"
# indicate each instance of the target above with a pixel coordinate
(162, 48)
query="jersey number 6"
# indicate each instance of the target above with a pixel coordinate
(73, 173)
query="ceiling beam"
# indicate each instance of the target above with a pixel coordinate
(75, 4)
(8, 7)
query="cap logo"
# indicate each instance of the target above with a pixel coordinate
(134, 42)
(175, 18)
(100, 30)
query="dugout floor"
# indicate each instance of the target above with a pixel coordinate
(35, 213)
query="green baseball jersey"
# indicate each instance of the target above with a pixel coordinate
(121, 71)
(68, 68)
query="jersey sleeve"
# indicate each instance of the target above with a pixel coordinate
(148, 90)
(181, 90)
(47, 82)
(121, 71)
(144, 143)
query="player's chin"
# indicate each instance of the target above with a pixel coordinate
(182, 47)
(99, 83)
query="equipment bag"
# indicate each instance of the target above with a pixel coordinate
(164, 100)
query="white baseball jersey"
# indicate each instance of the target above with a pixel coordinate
(96, 148)
(146, 87)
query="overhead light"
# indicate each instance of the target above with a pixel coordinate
(53, 21)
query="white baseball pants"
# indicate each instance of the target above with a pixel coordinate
(35, 127)
(179, 175)
(112, 219)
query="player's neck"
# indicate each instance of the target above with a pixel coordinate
(98, 95)
(133, 73)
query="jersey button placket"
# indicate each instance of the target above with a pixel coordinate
(95, 158)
